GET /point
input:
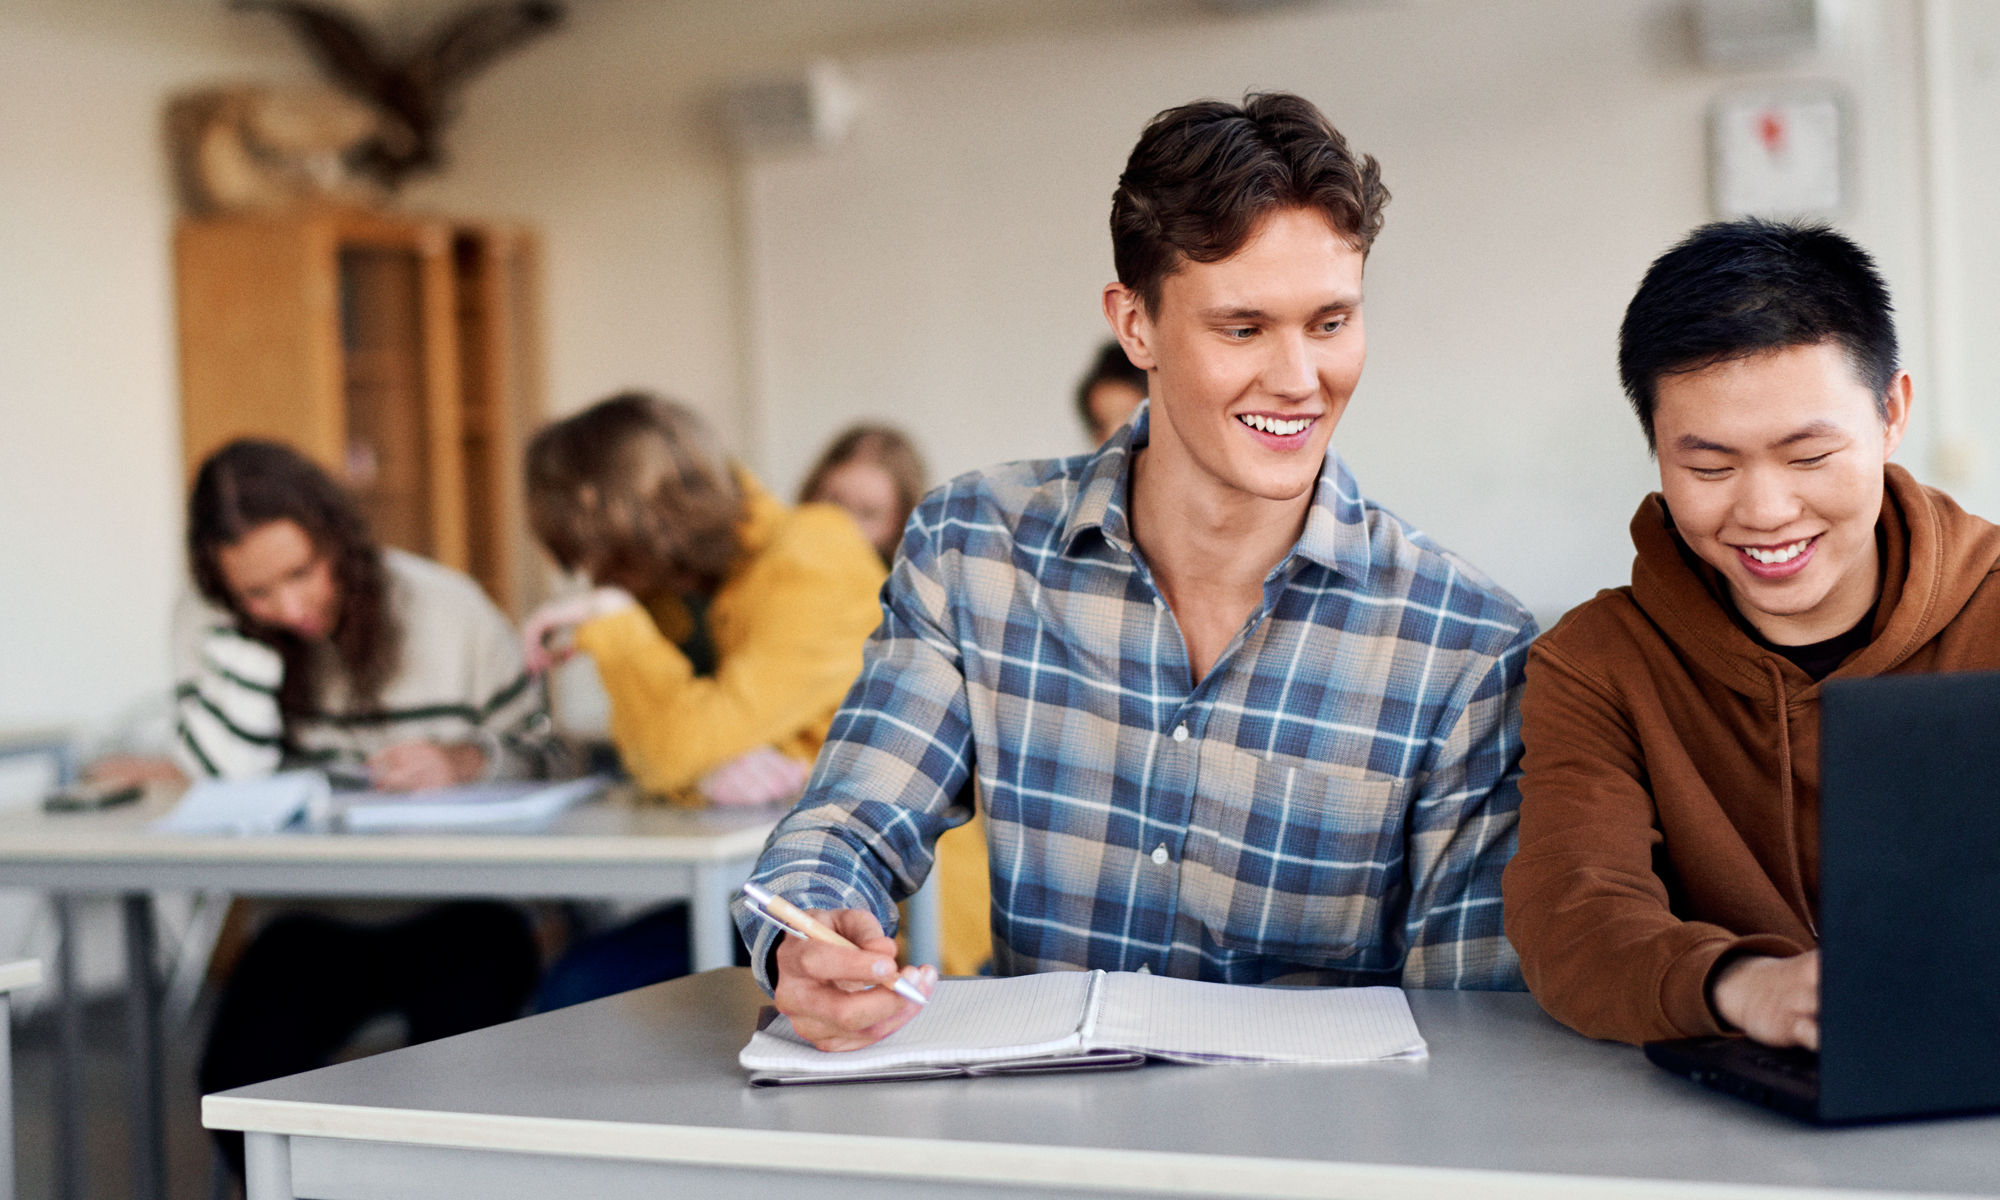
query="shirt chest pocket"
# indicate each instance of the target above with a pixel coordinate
(1292, 860)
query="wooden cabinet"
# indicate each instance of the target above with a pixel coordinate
(400, 353)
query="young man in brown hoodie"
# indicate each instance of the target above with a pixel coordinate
(1667, 883)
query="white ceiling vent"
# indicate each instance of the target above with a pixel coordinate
(1756, 33)
(811, 109)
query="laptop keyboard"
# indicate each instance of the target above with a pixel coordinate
(1785, 1079)
(1801, 1066)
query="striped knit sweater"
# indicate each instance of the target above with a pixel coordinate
(460, 681)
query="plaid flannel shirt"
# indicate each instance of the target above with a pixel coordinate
(1333, 802)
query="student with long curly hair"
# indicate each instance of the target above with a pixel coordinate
(310, 645)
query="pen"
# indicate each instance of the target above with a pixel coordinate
(789, 917)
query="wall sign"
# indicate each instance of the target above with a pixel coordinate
(1778, 154)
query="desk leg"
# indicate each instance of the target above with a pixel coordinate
(6, 1097)
(149, 1134)
(267, 1167)
(714, 934)
(69, 1055)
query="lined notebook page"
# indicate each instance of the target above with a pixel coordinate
(967, 1021)
(1191, 1021)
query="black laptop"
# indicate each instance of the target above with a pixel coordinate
(1909, 1009)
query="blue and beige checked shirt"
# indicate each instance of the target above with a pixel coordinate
(1334, 802)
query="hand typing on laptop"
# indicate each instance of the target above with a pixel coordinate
(1772, 1000)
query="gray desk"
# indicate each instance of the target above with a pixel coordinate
(639, 1096)
(605, 850)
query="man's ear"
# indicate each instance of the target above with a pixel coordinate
(1896, 412)
(1125, 312)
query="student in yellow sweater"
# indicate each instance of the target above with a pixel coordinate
(726, 628)
(722, 623)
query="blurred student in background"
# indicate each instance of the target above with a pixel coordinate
(726, 629)
(311, 645)
(1108, 392)
(876, 474)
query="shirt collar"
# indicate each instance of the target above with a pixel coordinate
(1102, 488)
(1336, 532)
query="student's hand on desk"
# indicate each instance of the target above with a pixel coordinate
(118, 770)
(411, 766)
(1772, 1000)
(840, 999)
(554, 620)
(761, 776)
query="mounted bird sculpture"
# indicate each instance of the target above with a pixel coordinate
(416, 91)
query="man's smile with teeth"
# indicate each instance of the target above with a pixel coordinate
(1273, 425)
(1776, 555)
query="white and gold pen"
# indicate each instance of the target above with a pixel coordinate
(792, 919)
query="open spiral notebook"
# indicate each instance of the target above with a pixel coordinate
(1075, 1020)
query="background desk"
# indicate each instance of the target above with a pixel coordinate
(639, 1095)
(605, 850)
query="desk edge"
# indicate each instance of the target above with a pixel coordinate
(1060, 1167)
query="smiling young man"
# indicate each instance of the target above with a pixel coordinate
(1667, 883)
(1226, 718)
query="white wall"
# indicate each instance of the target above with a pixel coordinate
(89, 458)
(600, 137)
(941, 268)
(1967, 81)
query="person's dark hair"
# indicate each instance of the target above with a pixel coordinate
(636, 491)
(884, 445)
(1110, 366)
(1733, 289)
(1204, 174)
(245, 486)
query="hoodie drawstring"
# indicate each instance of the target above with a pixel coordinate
(1785, 792)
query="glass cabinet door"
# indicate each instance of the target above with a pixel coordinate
(387, 465)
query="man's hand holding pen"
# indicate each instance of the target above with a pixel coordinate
(841, 997)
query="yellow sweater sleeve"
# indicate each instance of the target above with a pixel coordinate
(788, 626)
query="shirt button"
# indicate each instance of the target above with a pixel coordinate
(1180, 733)
(1160, 854)
(1145, 969)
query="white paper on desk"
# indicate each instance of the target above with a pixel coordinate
(245, 806)
(518, 804)
(1185, 1020)
(1064, 1019)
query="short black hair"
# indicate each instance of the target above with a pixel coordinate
(1110, 366)
(1733, 289)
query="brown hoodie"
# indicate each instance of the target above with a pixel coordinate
(1670, 776)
